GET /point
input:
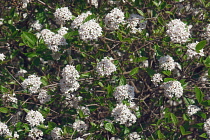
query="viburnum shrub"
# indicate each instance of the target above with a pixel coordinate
(104, 69)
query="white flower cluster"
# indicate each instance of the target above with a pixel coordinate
(34, 118)
(114, 138)
(32, 83)
(105, 67)
(35, 134)
(7, 98)
(191, 52)
(124, 92)
(167, 63)
(80, 126)
(56, 133)
(43, 96)
(62, 14)
(62, 31)
(1, 21)
(172, 89)
(84, 109)
(54, 40)
(134, 136)
(136, 23)
(21, 72)
(114, 18)
(90, 30)
(78, 21)
(123, 115)
(69, 82)
(36, 25)
(178, 31)
(2, 56)
(79, 139)
(157, 78)
(4, 130)
(207, 33)
(25, 3)
(207, 127)
(71, 101)
(93, 2)
(192, 109)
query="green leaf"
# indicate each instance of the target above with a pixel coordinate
(51, 125)
(110, 127)
(184, 132)
(122, 81)
(174, 119)
(29, 39)
(89, 18)
(185, 117)
(134, 71)
(167, 72)
(200, 46)
(201, 114)
(150, 71)
(207, 62)
(204, 135)
(169, 79)
(140, 12)
(160, 135)
(119, 35)
(100, 84)
(206, 103)
(3, 110)
(199, 95)
(31, 54)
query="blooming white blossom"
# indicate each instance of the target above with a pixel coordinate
(62, 31)
(78, 21)
(136, 23)
(85, 110)
(123, 115)
(80, 126)
(53, 40)
(172, 89)
(191, 52)
(34, 118)
(124, 92)
(43, 96)
(105, 67)
(157, 78)
(69, 73)
(62, 14)
(207, 126)
(90, 30)
(114, 18)
(7, 98)
(25, 3)
(56, 133)
(207, 33)
(1, 21)
(192, 109)
(114, 138)
(4, 130)
(167, 63)
(2, 56)
(93, 2)
(35, 134)
(21, 72)
(69, 83)
(178, 31)
(67, 87)
(32, 83)
(36, 25)
(71, 101)
(134, 136)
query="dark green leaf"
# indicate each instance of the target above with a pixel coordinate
(207, 61)
(204, 135)
(29, 39)
(110, 127)
(160, 135)
(200, 46)
(199, 94)
(3, 110)
(169, 79)
(174, 119)
(134, 71)
(122, 81)
(167, 72)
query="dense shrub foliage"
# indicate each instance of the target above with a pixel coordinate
(103, 69)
